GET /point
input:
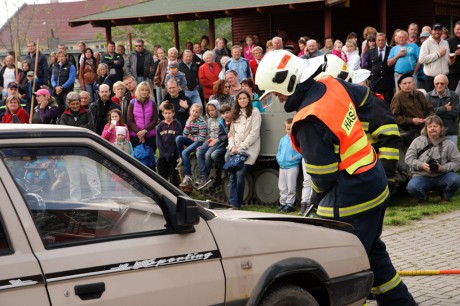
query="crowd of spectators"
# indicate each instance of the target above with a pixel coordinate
(153, 94)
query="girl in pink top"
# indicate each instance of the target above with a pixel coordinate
(248, 49)
(114, 119)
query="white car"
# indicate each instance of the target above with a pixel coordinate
(82, 223)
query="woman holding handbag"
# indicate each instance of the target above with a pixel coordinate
(244, 139)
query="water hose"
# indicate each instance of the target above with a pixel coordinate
(427, 272)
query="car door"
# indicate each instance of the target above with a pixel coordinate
(21, 279)
(101, 230)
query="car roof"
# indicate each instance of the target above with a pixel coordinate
(42, 130)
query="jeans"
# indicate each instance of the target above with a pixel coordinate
(453, 138)
(206, 155)
(237, 186)
(191, 146)
(194, 96)
(159, 95)
(419, 185)
(90, 89)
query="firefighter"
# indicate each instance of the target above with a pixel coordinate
(348, 180)
(382, 131)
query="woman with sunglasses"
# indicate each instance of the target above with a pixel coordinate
(221, 93)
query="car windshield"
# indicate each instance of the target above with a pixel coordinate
(75, 194)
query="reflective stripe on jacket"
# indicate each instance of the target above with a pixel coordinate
(356, 153)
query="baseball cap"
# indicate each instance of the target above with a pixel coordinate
(174, 65)
(424, 34)
(13, 85)
(30, 73)
(437, 26)
(42, 92)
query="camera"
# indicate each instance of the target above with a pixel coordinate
(433, 163)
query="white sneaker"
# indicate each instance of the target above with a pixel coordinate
(187, 181)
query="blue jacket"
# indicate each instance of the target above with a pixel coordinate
(287, 157)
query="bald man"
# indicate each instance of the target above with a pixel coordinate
(101, 108)
(446, 105)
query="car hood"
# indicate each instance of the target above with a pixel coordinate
(242, 214)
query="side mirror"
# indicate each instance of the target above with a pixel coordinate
(187, 214)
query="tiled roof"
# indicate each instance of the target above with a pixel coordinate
(39, 21)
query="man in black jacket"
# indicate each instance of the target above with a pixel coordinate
(454, 47)
(382, 76)
(101, 108)
(190, 69)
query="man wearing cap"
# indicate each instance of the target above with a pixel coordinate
(410, 108)
(28, 87)
(179, 76)
(348, 180)
(434, 54)
(454, 48)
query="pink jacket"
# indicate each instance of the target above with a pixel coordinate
(109, 134)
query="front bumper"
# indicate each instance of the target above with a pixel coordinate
(350, 289)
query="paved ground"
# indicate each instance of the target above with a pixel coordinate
(430, 244)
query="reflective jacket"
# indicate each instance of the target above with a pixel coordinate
(347, 177)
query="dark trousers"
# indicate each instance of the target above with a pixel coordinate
(167, 169)
(454, 78)
(429, 83)
(388, 287)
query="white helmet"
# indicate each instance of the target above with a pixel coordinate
(337, 68)
(279, 71)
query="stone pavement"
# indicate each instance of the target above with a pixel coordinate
(429, 244)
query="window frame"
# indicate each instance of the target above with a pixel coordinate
(124, 165)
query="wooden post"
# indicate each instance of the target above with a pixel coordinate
(327, 22)
(176, 34)
(34, 82)
(16, 61)
(383, 17)
(212, 33)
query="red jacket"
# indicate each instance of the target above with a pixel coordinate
(208, 77)
(22, 115)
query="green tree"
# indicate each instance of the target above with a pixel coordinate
(162, 33)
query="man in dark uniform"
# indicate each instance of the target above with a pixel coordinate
(382, 76)
(349, 182)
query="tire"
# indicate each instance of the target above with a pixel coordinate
(288, 295)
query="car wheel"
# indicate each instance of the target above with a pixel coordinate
(288, 295)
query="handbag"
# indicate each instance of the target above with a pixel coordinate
(235, 163)
(145, 155)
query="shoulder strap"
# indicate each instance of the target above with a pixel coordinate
(427, 147)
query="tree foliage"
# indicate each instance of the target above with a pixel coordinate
(162, 33)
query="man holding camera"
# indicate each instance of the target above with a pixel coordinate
(433, 160)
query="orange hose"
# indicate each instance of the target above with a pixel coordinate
(427, 272)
